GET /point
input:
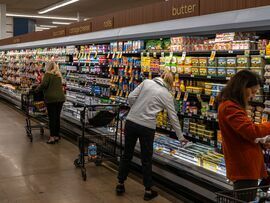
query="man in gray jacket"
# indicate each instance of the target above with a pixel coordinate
(146, 101)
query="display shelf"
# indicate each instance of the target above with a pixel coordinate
(195, 116)
(209, 77)
(203, 140)
(204, 53)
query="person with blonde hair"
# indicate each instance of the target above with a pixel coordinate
(54, 97)
(146, 101)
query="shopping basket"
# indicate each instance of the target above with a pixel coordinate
(33, 105)
(254, 195)
(100, 129)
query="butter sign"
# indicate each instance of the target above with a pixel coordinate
(184, 9)
(81, 29)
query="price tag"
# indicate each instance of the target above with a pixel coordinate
(212, 101)
(247, 52)
(213, 55)
(142, 54)
(118, 92)
(171, 54)
(205, 139)
(162, 54)
(230, 51)
(208, 77)
(192, 76)
(197, 137)
(262, 52)
(199, 97)
(178, 96)
(155, 54)
(148, 54)
(228, 78)
(186, 96)
(150, 75)
(184, 54)
(212, 143)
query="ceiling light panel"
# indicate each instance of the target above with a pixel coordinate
(60, 23)
(57, 5)
(40, 16)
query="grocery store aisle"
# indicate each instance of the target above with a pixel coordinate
(39, 172)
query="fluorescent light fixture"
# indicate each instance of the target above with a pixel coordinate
(56, 6)
(43, 28)
(60, 23)
(40, 17)
(47, 26)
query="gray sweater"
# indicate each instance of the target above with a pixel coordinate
(150, 98)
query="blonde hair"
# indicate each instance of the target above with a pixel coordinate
(168, 78)
(53, 69)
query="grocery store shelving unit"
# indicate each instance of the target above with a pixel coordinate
(187, 176)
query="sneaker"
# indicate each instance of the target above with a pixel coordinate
(149, 195)
(120, 189)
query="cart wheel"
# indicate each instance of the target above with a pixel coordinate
(84, 176)
(77, 163)
(98, 162)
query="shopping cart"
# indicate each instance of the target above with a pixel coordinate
(254, 195)
(33, 105)
(100, 143)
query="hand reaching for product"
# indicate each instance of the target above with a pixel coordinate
(185, 143)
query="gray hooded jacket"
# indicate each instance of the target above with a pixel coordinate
(150, 98)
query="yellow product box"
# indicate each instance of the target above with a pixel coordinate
(209, 133)
(195, 61)
(208, 164)
(189, 89)
(187, 70)
(193, 132)
(195, 70)
(197, 90)
(208, 91)
(257, 61)
(203, 61)
(203, 71)
(202, 127)
(208, 85)
(192, 124)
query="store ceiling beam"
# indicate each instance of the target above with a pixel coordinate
(240, 19)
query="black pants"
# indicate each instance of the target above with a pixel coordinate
(248, 194)
(54, 111)
(146, 135)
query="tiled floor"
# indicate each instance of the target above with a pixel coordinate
(39, 172)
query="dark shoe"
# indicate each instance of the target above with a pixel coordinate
(149, 195)
(120, 189)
